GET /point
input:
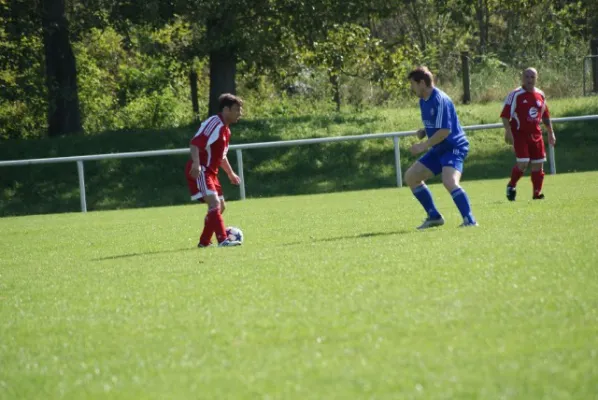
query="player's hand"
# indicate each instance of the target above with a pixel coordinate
(421, 133)
(418, 148)
(194, 171)
(508, 137)
(234, 179)
(551, 139)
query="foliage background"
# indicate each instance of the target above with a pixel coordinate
(134, 60)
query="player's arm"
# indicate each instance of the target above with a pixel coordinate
(234, 178)
(433, 140)
(548, 124)
(437, 137)
(505, 116)
(443, 124)
(195, 167)
(508, 133)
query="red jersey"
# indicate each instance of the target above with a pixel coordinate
(525, 111)
(212, 140)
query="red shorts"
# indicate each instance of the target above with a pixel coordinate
(206, 184)
(529, 148)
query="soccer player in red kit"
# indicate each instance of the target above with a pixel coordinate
(523, 110)
(208, 152)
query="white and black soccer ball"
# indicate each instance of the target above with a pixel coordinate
(234, 233)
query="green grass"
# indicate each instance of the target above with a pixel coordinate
(159, 181)
(331, 296)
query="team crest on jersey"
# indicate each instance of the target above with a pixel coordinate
(533, 112)
(539, 103)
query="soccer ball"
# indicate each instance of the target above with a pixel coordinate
(234, 233)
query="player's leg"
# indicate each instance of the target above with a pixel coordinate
(213, 223)
(213, 203)
(215, 216)
(451, 179)
(522, 156)
(192, 183)
(208, 196)
(423, 169)
(452, 169)
(537, 179)
(199, 195)
(538, 157)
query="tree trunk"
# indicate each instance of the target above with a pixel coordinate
(481, 16)
(418, 25)
(223, 70)
(61, 71)
(336, 90)
(594, 52)
(466, 77)
(335, 80)
(193, 84)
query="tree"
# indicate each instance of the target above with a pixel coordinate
(223, 57)
(22, 90)
(483, 17)
(334, 36)
(61, 71)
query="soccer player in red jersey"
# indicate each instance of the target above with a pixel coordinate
(208, 152)
(523, 110)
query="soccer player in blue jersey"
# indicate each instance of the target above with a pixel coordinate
(446, 147)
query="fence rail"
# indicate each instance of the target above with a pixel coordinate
(285, 143)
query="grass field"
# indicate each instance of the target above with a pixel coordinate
(331, 296)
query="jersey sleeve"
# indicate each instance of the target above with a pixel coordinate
(443, 120)
(206, 138)
(506, 109)
(195, 141)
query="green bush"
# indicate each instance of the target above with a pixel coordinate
(17, 120)
(156, 110)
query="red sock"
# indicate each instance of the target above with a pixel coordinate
(216, 224)
(208, 231)
(516, 174)
(537, 181)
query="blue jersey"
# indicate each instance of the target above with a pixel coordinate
(438, 112)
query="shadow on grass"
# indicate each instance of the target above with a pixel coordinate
(147, 253)
(357, 236)
(307, 169)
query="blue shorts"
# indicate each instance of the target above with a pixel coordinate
(435, 160)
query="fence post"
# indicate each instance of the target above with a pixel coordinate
(552, 160)
(466, 79)
(240, 170)
(81, 174)
(395, 139)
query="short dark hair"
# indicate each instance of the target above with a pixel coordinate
(421, 74)
(228, 100)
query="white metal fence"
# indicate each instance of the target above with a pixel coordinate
(240, 147)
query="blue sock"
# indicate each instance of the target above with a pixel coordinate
(462, 201)
(424, 196)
